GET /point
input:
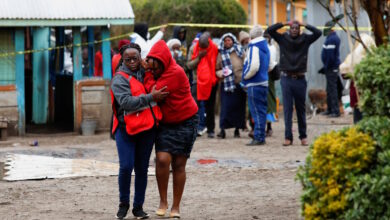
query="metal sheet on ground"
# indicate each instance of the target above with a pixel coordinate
(32, 167)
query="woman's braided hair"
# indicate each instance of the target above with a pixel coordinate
(123, 49)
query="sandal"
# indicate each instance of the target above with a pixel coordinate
(161, 212)
(287, 142)
(174, 215)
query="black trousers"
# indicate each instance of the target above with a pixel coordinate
(332, 77)
(210, 110)
(294, 92)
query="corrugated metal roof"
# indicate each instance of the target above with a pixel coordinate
(65, 9)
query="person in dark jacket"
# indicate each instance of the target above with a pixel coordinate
(134, 142)
(330, 57)
(180, 33)
(294, 48)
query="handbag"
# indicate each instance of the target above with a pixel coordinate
(274, 74)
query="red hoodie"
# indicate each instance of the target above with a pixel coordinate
(179, 105)
(206, 77)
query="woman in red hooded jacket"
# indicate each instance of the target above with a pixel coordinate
(178, 128)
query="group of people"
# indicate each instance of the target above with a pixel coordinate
(247, 69)
(164, 94)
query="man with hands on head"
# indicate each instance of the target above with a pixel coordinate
(294, 47)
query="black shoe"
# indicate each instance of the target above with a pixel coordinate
(333, 115)
(139, 213)
(122, 212)
(255, 143)
(236, 133)
(268, 133)
(210, 135)
(251, 134)
(325, 113)
(222, 134)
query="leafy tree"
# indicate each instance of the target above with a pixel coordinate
(157, 12)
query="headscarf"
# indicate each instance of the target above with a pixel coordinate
(172, 42)
(142, 30)
(227, 66)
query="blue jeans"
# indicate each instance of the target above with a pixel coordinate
(134, 152)
(257, 100)
(294, 91)
(202, 115)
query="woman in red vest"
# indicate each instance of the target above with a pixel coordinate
(136, 116)
(177, 131)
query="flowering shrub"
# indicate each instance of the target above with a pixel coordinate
(373, 81)
(335, 158)
(370, 194)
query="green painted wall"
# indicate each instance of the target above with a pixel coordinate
(7, 64)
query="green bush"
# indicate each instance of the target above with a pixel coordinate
(370, 195)
(372, 76)
(334, 159)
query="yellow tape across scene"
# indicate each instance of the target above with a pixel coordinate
(8, 54)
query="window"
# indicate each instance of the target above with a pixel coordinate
(7, 64)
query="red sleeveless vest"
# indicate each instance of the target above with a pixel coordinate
(141, 120)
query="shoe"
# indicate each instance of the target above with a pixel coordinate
(139, 213)
(236, 133)
(268, 133)
(161, 212)
(122, 212)
(174, 215)
(210, 135)
(304, 142)
(251, 134)
(325, 113)
(255, 143)
(287, 142)
(222, 134)
(201, 132)
(333, 115)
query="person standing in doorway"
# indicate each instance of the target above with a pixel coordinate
(330, 57)
(134, 127)
(294, 47)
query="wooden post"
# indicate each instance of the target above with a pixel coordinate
(77, 59)
(91, 50)
(106, 51)
(2, 170)
(40, 75)
(19, 46)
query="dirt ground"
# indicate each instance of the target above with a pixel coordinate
(246, 182)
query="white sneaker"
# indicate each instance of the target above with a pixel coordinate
(201, 132)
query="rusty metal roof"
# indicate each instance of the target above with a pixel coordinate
(64, 10)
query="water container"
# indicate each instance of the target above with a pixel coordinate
(88, 127)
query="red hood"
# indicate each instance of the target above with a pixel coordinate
(161, 52)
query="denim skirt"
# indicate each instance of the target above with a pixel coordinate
(177, 139)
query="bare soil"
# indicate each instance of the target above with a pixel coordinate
(246, 182)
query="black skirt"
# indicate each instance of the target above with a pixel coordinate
(177, 139)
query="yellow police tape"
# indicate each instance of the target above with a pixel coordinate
(152, 29)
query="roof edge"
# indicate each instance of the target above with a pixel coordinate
(70, 22)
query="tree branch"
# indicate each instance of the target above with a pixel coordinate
(357, 38)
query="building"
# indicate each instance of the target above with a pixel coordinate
(267, 12)
(35, 89)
